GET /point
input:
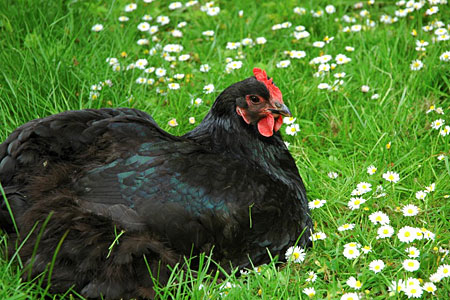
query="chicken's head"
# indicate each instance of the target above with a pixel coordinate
(263, 106)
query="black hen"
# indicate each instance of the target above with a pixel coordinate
(91, 177)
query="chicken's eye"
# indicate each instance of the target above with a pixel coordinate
(254, 99)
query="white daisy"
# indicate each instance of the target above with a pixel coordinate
(208, 33)
(410, 210)
(205, 68)
(416, 65)
(316, 203)
(445, 131)
(160, 72)
(130, 7)
(289, 120)
(297, 54)
(396, 286)
(311, 276)
(330, 9)
(411, 265)
(352, 245)
(175, 5)
(142, 42)
(318, 236)
(184, 57)
(196, 102)
(318, 44)
(407, 234)
(301, 34)
(350, 296)
(283, 63)
(351, 252)
(342, 59)
(173, 86)
(444, 271)
(366, 249)
(435, 277)
(97, 27)
(391, 176)
(364, 187)
(233, 45)
(141, 63)
(309, 291)
(261, 40)
(413, 252)
(413, 291)
(429, 287)
(163, 20)
(437, 124)
(355, 203)
(208, 89)
(144, 26)
(292, 129)
(371, 170)
(354, 283)
(295, 254)
(385, 231)
(430, 188)
(421, 195)
(333, 175)
(379, 218)
(234, 65)
(356, 28)
(445, 56)
(173, 123)
(376, 266)
(324, 86)
(141, 80)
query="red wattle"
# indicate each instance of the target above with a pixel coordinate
(266, 125)
(278, 123)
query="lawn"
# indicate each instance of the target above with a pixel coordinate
(368, 84)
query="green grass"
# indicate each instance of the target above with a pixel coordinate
(50, 57)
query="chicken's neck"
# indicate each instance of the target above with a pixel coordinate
(229, 135)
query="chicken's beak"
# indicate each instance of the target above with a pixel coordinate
(281, 109)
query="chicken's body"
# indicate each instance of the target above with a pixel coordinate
(93, 177)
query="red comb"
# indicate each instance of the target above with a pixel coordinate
(275, 92)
